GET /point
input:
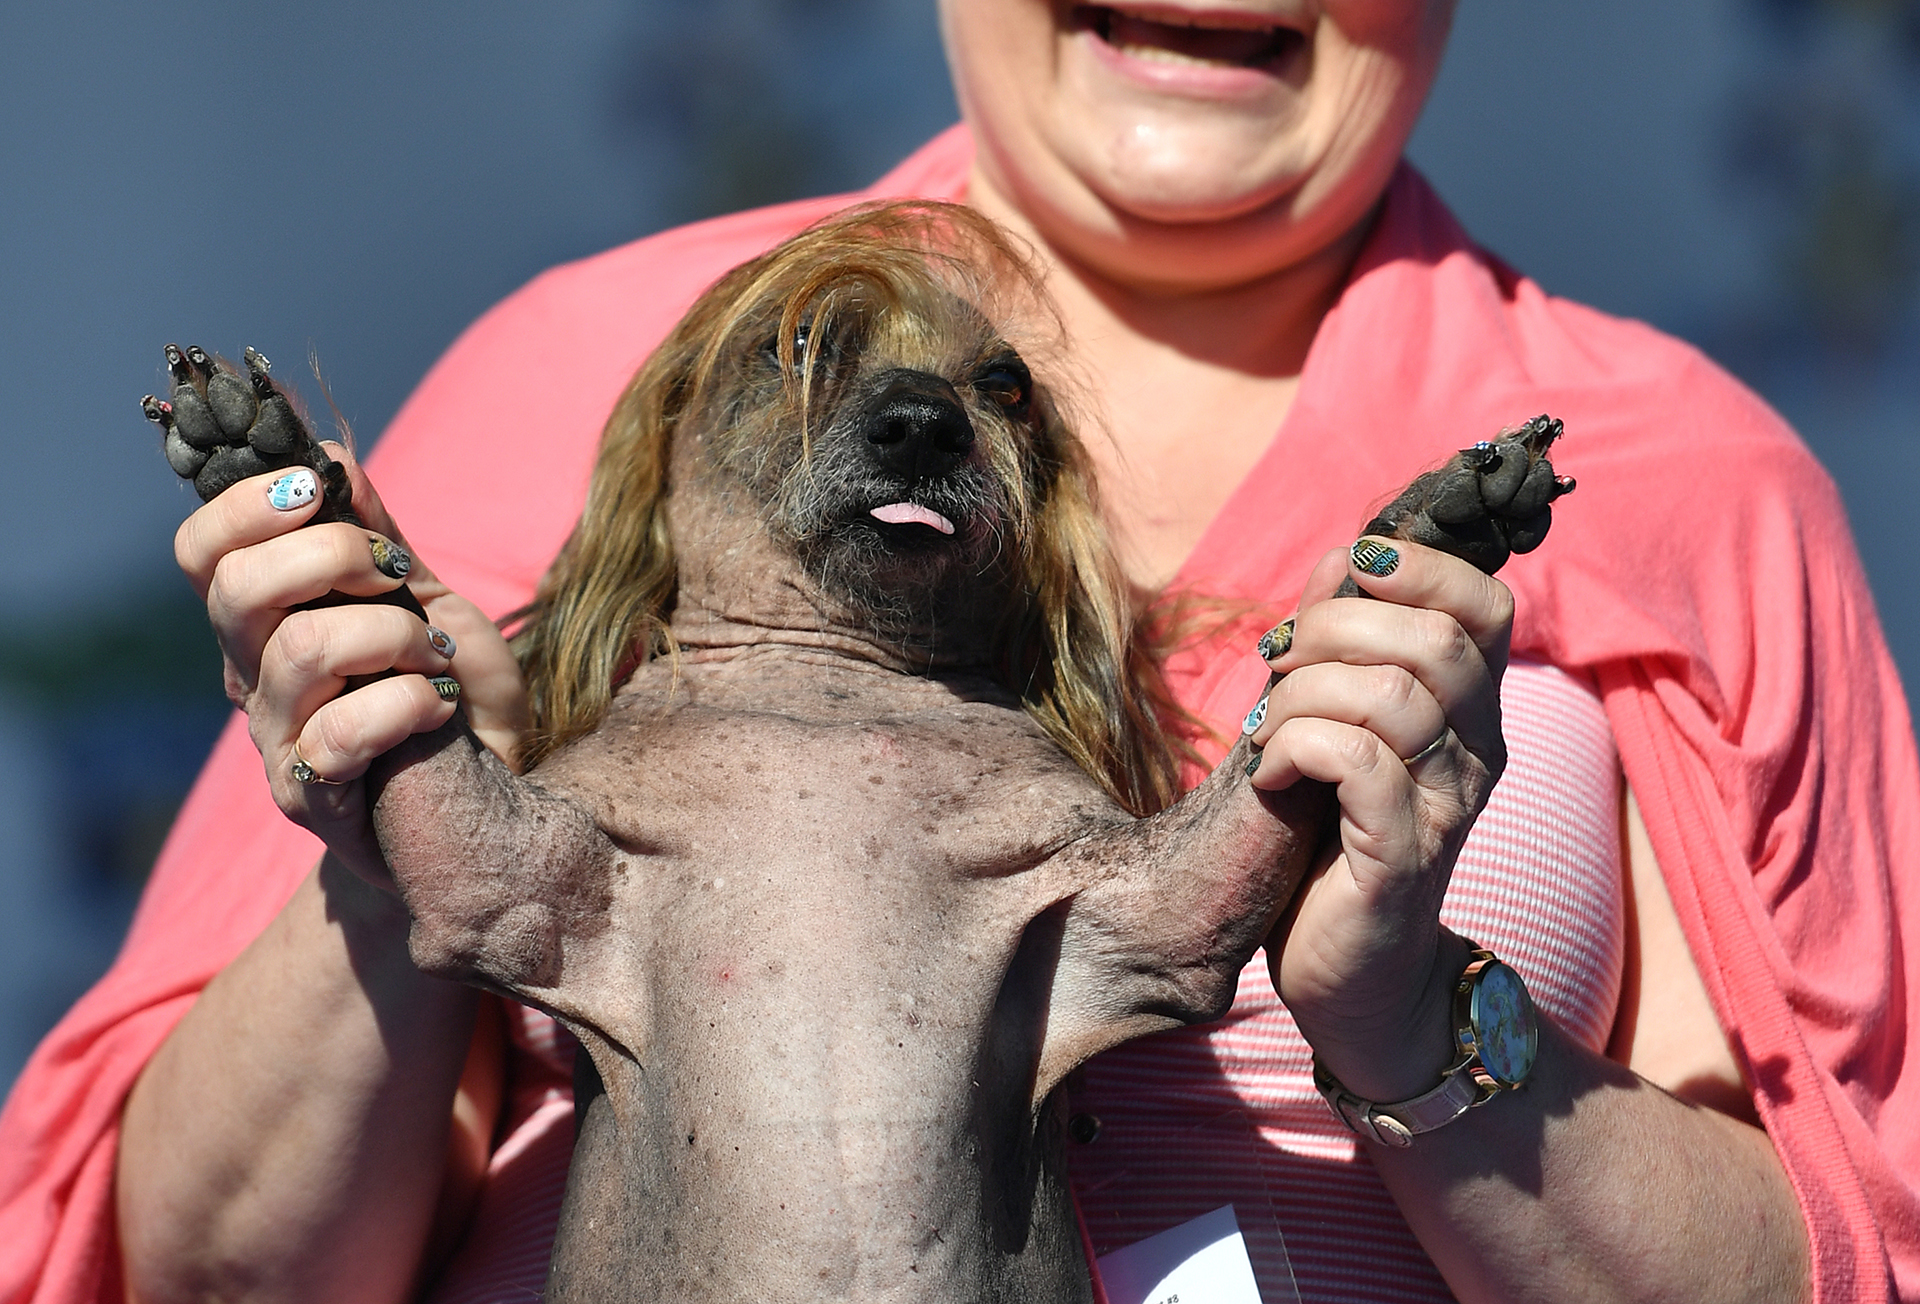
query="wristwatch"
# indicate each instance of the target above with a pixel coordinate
(1496, 1037)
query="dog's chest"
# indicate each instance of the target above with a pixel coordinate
(791, 849)
(824, 901)
(849, 781)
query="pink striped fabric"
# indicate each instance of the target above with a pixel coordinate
(1191, 1120)
(504, 1256)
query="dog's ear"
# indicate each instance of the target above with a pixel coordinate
(602, 607)
(1072, 646)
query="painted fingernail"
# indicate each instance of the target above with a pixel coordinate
(1376, 558)
(1255, 717)
(1274, 643)
(1253, 763)
(442, 641)
(447, 686)
(389, 559)
(295, 489)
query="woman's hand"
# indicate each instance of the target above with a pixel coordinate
(1395, 700)
(303, 1103)
(253, 564)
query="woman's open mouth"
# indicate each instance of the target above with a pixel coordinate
(1207, 40)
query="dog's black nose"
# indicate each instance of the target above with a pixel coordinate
(917, 427)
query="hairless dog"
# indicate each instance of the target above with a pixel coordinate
(850, 824)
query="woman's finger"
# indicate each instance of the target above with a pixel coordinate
(1378, 798)
(265, 507)
(1442, 768)
(1430, 646)
(341, 739)
(1410, 575)
(366, 499)
(250, 512)
(1326, 576)
(313, 654)
(493, 691)
(1387, 700)
(1396, 819)
(253, 588)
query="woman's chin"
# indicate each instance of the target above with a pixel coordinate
(1186, 196)
(1178, 140)
(1178, 176)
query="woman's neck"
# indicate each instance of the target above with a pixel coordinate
(1179, 391)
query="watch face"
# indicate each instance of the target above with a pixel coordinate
(1503, 1024)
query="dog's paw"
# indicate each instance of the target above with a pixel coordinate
(1487, 503)
(222, 427)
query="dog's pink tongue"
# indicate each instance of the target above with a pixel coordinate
(909, 513)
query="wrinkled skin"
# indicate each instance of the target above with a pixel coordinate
(831, 914)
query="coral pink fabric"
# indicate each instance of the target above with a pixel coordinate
(1703, 578)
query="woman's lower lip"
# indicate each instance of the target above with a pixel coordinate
(1194, 78)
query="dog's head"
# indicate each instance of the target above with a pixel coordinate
(855, 406)
(857, 393)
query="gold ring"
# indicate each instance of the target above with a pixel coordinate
(1428, 750)
(303, 772)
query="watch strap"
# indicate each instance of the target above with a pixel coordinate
(1398, 1123)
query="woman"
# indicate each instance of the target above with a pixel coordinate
(1237, 251)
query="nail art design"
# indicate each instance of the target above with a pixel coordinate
(293, 490)
(1255, 717)
(1376, 558)
(447, 686)
(389, 559)
(1253, 763)
(441, 640)
(1275, 642)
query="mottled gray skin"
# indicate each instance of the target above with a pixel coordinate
(832, 933)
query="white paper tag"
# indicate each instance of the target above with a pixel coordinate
(1199, 1262)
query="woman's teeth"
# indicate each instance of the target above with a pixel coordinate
(1176, 43)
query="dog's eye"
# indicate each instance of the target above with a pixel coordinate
(801, 334)
(1006, 385)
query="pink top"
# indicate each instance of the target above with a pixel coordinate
(1702, 582)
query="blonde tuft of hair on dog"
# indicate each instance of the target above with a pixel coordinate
(1070, 645)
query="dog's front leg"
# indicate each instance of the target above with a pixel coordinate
(510, 883)
(1164, 912)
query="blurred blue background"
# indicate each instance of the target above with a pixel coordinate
(359, 180)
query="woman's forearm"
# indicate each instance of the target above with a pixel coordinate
(1592, 1184)
(289, 1140)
